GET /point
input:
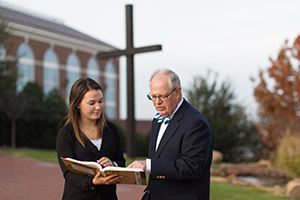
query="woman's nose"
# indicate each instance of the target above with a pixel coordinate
(98, 106)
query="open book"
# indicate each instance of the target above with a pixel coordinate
(131, 175)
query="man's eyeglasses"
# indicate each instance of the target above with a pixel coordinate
(160, 97)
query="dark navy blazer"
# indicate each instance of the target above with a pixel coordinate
(180, 168)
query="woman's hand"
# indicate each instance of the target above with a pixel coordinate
(111, 179)
(104, 161)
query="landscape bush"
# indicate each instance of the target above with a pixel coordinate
(288, 154)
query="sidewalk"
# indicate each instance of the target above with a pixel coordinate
(28, 179)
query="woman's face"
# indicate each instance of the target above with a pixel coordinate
(91, 105)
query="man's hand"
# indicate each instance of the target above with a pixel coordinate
(138, 164)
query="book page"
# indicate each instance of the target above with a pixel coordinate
(112, 168)
(90, 163)
(82, 169)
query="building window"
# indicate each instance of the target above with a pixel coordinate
(2, 53)
(73, 72)
(110, 91)
(2, 59)
(25, 66)
(50, 71)
(92, 69)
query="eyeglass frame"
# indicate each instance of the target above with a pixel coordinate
(150, 97)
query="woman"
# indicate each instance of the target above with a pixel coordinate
(87, 136)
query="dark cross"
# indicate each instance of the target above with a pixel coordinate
(129, 53)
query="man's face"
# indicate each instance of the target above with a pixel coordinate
(159, 86)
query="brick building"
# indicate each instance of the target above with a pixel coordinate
(56, 55)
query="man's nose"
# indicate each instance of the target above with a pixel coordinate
(157, 100)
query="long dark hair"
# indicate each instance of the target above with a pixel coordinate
(78, 90)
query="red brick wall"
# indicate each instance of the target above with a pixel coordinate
(83, 57)
(12, 43)
(62, 54)
(39, 49)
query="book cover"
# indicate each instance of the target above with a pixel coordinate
(131, 175)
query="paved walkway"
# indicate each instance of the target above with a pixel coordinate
(28, 179)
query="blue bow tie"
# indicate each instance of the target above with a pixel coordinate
(161, 119)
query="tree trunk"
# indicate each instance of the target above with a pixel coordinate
(13, 133)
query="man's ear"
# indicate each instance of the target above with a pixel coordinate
(178, 92)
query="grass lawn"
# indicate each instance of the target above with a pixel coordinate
(222, 191)
(219, 190)
(44, 155)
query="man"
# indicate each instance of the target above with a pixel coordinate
(180, 147)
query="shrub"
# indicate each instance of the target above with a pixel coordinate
(141, 142)
(288, 154)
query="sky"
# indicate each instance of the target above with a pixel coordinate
(234, 38)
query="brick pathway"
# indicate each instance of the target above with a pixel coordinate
(28, 179)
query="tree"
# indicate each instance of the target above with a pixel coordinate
(56, 112)
(32, 116)
(234, 131)
(42, 118)
(8, 77)
(8, 67)
(14, 107)
(278, 97)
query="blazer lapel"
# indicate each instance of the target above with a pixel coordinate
(93, 148)
(153, 137)
(104, 146)
(171, 129)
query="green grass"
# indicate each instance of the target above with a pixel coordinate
(44, 155)
(219, 191)
(224, 191)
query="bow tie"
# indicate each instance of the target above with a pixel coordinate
(161, 119)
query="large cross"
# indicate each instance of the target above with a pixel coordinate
(129, 53)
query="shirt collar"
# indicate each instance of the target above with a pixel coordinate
(178, 105)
